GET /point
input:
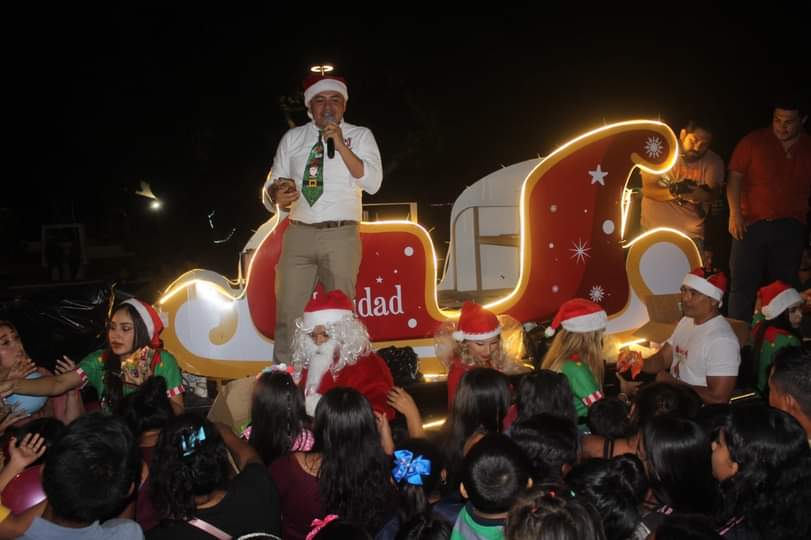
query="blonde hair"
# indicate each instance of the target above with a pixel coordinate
(584, 346)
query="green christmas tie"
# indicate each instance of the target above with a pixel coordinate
(312, 185)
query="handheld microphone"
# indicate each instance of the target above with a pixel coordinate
(330, 143)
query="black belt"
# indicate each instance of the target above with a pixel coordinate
(326, 224)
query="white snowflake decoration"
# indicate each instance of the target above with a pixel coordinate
(580, 251)
(597, 294)
(654, 147)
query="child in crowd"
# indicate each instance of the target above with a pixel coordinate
(192, 489)
(22, 453)
(550, 444)
(89, 477)
(577, 350)
(417, 473)
(762, 460)
(775, 326)
(279, 422)
(552, 512)
(545, 391)
(616, 488)
(480, 407)
(495, 473)
(15, 362)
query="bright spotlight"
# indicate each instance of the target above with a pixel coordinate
(155, 205)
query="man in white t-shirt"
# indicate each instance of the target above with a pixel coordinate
(703, 351)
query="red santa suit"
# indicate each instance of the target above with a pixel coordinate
(367, 373)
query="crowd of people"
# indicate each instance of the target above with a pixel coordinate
(336, 450)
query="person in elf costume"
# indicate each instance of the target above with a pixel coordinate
(134, 353)
(577, 350)
(775, 326)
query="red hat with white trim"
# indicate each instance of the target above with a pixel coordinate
(317, 83)
(777, 297)
(712, 285)
(152, 321)
(578, 315)
(324, 309)
(476, 323)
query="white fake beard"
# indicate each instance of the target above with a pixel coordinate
(321, 358)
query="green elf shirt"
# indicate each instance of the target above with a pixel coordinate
(773, 340)
(585, 389)
(91, 370)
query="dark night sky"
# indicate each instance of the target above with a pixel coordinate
(190, 103)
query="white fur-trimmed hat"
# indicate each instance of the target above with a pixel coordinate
(777, 297)
(152, 321)
(578, 315)
(324, 309)
(317, 83)
(476, 323)
(708, 284)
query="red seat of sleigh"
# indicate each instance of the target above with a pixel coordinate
(24, 490)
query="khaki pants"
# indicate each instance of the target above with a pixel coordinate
(309, 255)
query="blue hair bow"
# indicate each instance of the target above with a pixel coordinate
(410, 468)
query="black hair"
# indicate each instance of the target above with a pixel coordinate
(545, 391)
(278, 415)
(494, 472)
(679, 526)
(613, 487)
(482, 400)
(791, 375)
(698, 123)
(415, 499)
(549, 442)
(148, 408)
(185, 465)
(662, 398)
(426, 527)
(354, 478)
(91, 470)
(678, 455)
(608, 418)
(113, 383)
(791, 100)
(781, 322)
(772, 486)
(49, 428)
(552, 512)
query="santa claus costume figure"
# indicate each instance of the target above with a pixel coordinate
(577, 350)
(480, 339)
(331, 348)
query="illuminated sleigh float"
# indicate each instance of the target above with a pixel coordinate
(572, 212)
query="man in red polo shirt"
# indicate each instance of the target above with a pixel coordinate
(768, 189)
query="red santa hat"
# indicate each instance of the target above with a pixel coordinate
(777, 297)
(708, 284)
(476, 323)
(151, 319)
(317, 83)
(324, 309)
(578, 315)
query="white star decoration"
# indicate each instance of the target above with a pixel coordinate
(580, 250)
(379, 280)
(597, 294)
(598, 175)
(654, 147)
